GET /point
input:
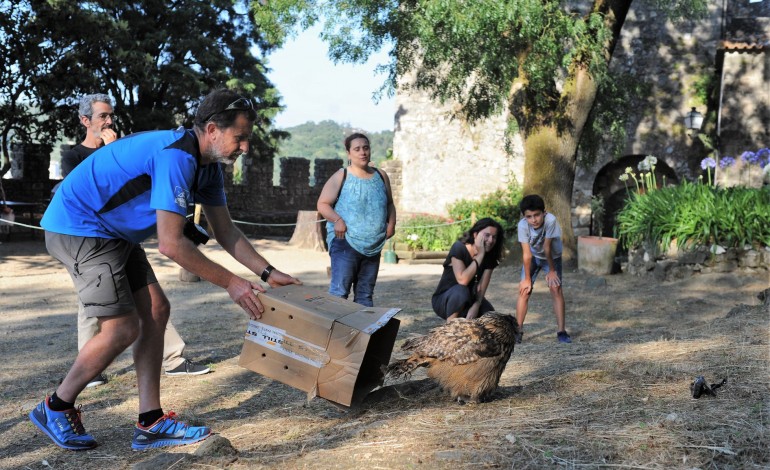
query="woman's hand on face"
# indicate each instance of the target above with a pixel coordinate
(478, 243)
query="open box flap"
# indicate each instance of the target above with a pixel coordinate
(369, 319)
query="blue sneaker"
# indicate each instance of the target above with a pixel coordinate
(65, 428)
(167, 431)
(563, 337)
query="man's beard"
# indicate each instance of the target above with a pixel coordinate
(229, 159)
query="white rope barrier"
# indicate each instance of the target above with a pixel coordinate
(411, 227)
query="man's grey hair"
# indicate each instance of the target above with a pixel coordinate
(86, 107)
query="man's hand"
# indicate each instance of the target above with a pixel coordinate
(278, 278)
(242, 293)
(108, 136)
(525, 287)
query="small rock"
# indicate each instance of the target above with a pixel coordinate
(717, 249)
(216, 446)
(672, 417)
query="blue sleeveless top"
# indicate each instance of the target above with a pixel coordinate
(363, 205)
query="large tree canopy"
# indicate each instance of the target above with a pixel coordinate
(156, 58)
(23, 57)
(540, 60)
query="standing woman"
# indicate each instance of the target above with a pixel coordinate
(467, 272)
(358, 205)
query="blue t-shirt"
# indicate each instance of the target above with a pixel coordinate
(536, 238)
(115, 192)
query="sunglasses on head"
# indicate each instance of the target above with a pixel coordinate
(241, 104)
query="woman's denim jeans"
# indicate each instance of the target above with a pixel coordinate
(351, 268)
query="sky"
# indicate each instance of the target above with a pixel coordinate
(315, 89)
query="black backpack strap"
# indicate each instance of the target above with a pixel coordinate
(382, 175)
(344, 177)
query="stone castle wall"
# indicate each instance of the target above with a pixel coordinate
(445, 159)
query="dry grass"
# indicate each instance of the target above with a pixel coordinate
(618, 397)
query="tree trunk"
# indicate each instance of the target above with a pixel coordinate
(551, 155)
(308, 233)
(551, 149)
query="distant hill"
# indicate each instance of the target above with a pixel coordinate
(326, 140)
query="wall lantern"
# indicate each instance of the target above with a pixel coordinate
(693, 120)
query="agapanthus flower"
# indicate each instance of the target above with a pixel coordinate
(623, 177)
(726, 162)
(764, 156)
(750, 157)
(708, 162)
(652, 160)
(629, 170)
(644, 165)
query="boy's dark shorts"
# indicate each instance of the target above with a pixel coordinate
(105, 271)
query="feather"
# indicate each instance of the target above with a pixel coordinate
(466, 357)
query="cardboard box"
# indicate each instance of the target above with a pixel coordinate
(324, 345)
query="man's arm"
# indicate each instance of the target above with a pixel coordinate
(173, 244)
(239, 247)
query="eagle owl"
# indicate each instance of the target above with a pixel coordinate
(466, 357)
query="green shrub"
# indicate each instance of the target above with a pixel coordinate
(429, 232)
(502, 205)
(434, 233)
(696, 214)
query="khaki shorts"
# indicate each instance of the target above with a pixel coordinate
(105, 271)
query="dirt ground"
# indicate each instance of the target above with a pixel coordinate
(617, 397)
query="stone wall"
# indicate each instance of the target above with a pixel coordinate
(446, 159)
(676, 264)
(266, 209)
(29, 173)
(257, 201)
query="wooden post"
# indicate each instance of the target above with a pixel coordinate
(185, 275)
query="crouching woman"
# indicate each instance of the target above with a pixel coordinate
(467, 272)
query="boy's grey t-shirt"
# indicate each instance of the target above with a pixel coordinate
(536, 238)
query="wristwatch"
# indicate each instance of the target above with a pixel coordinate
(266, 273)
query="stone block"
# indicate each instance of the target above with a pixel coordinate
(749, 259)
(726, 266)
(698, 256)
(662, 268)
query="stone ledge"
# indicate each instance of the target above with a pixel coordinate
(680, 264)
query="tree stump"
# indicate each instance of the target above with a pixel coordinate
(309, 232)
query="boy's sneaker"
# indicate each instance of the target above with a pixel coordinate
(188, 367)
(563, 337)
(65, 428)
(167, 431)
(98, 380)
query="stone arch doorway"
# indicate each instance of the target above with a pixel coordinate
(608, 185)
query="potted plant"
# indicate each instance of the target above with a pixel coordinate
(596, 254)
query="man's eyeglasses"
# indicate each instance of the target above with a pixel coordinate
(103, 116)
(241, 104)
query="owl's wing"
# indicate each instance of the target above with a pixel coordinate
(460, 342)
